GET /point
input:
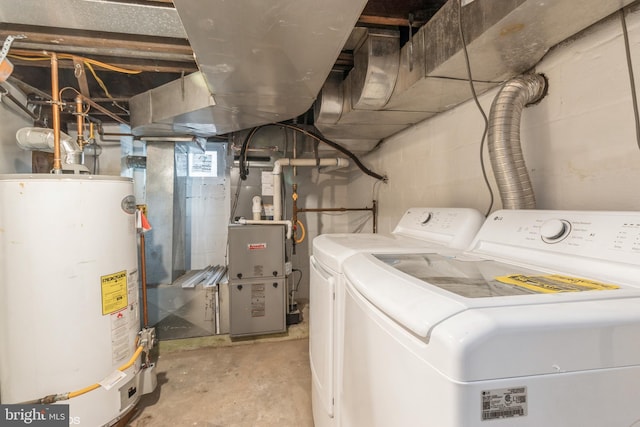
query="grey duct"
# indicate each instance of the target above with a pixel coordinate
(505, 149)
(429, 76)
(260, 62)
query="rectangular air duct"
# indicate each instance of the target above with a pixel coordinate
(260, 62)
(504, 38)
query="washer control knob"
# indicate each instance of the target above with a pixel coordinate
(426, 218)
(554, 230)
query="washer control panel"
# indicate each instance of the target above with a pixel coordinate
(613, 236)
(554, 230)
(452, 227)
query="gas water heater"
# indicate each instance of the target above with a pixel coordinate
(69, 312)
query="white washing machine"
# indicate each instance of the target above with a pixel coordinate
(420, 229)
(537, 324)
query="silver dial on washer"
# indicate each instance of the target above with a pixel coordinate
(555, 230)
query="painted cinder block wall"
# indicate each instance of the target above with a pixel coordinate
(579, 143)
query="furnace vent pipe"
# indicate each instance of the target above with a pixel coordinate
(256, 207)
(43, 139)
(277, 171)
(505, 150)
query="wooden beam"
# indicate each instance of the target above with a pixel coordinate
(96, 39)
(390, 21)
(145, 65)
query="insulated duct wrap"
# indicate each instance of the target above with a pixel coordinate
(505, 150)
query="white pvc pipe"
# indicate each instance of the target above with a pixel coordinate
(257, 207)
(269, 222)
(277, 171)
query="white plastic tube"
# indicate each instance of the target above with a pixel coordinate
(269, 222)
(277, 171)
(257, 207)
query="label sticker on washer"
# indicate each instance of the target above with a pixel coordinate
(256, 246)
(504, 403)
(555, 283)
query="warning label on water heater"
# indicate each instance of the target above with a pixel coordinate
(504, 403)
(114, 292)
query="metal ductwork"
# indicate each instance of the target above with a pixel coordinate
(504, 39)
(505, 150)
(260, 62)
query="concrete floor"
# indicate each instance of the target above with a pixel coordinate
(252, 383)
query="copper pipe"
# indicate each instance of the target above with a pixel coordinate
(55, 108)
(143, 280)
(103, 110)
(374, 211)
(333, 209)
(80, 121)
(294, 196)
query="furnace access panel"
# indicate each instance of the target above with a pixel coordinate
(257, 283)
(256, 251)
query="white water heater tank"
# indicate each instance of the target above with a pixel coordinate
(69, 313)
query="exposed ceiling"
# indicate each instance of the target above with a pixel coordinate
(145, 37)
(209, 68)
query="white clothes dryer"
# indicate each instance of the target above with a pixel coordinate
(420, 229)
(537, 324)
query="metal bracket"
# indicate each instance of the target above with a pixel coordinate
(7, 45)
(81, 75)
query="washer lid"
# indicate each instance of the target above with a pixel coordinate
(410, 302)
(447, 229)
(332, 249)
(420, 290)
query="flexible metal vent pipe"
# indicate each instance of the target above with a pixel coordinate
(505, 150)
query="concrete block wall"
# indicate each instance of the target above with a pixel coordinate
(579, 143)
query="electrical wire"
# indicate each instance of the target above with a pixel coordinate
(88, 62)
(235, 202)
(484, 115)
(297, 270)
(104, 87)
(244, 168)
(349, 154)
(28, 56)
(632, 83)
(337, 147)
